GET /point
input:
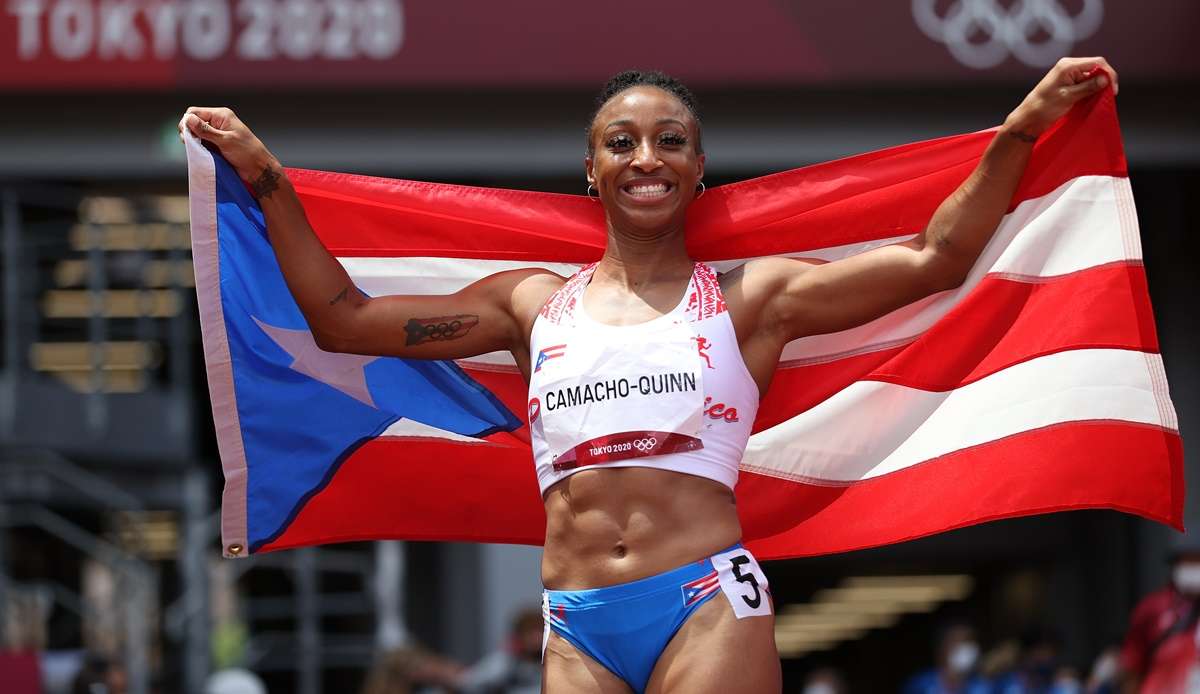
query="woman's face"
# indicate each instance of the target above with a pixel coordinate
(645, 166)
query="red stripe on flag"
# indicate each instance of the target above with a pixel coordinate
(882, 194)
(1001, 323)
(1076, 465)
(1068, 466)
(424, 489)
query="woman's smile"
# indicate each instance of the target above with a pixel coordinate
(647, 190)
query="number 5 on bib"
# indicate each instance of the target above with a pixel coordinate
(743, 583)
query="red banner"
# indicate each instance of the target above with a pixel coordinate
(158, 44)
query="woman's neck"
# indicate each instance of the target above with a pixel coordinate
(636, 262)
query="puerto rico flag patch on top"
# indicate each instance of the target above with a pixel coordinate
(548, 353)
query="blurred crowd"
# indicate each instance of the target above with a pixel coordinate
(513, 668)
(1158, 655)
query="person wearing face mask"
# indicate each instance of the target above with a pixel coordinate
(957, 656)
(1159, 655)
(1041, 670)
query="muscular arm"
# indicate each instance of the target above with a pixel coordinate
(805, 298)
(490, 315)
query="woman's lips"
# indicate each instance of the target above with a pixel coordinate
(643, 191)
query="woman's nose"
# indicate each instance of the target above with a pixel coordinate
(645, 158)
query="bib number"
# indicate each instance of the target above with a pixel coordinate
(743, 583)
(738, 563)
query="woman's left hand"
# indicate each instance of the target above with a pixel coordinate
(1069, 81)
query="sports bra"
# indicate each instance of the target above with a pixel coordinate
(672, 393)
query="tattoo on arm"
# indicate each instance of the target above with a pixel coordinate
(339, 296)
(438, 328)
(265, 184)
(1023, 136)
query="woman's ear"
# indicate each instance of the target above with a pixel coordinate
(700, 167)
(589, 171)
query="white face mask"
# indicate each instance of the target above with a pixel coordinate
(962, 657)
(1105, 669)
(819, 688)
(1187, 577)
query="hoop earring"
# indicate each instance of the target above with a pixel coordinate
(700, 187)
(589, 192)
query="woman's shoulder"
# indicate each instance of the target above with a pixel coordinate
(528, 289)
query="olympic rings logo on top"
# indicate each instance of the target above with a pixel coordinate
(644, 445)
(1008, 31)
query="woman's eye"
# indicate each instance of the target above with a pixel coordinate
(672, 140)
(619, 142)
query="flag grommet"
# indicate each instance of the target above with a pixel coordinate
(234, 549)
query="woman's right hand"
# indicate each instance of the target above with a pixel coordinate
(240, 147)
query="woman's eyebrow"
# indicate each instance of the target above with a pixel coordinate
(661, 121)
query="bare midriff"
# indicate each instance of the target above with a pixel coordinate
(614, 525)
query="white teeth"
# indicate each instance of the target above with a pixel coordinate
(647, 190)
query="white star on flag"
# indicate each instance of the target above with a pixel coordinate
(334, 369)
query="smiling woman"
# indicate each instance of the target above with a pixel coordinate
(643, 150)
(647, 586)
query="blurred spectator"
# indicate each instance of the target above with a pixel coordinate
(410, 670)
(19, 673)
(517, 667)
(1105, 672)
(1000, 660)
(99, 675)
(824, 680)
(234, 681)
(59, 668)
(1040, 670)
(956, 657)
(1159, 655)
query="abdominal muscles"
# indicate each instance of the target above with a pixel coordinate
(613, 525)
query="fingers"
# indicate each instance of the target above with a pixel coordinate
(1083, 70)
(219, 116)
(1112, 75)
(208, 123)
(1097, 81)
(202, 128)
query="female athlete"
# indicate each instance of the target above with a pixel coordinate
(647, 586)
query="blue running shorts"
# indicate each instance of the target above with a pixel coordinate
(626, 627)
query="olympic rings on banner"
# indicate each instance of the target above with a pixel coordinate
(1007, 31)
(644, 445)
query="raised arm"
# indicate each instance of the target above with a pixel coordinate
(490, 315)
(803, 298)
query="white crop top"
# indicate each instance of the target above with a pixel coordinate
(672, 393)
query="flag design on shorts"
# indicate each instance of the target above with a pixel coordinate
(1036, 386)
(549, 353)
(697, 590)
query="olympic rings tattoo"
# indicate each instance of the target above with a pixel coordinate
(438, 329)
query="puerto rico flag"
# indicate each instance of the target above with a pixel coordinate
(549, 353)
(697, 590)
(1036, 386)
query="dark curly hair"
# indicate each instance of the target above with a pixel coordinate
(636, 78)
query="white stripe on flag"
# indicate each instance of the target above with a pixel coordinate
(1073, 228)
(872, 428)
(432, 276)
(1077, 226)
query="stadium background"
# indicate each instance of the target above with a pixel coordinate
(108, 471)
